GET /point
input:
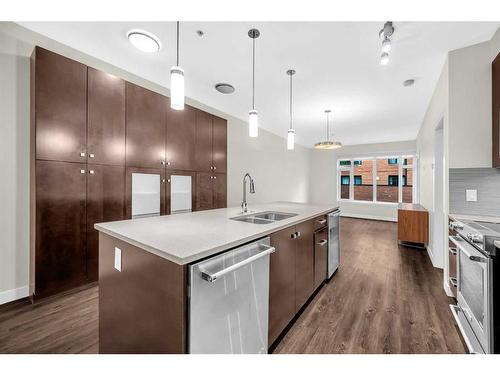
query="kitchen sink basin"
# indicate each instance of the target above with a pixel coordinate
(266, 217)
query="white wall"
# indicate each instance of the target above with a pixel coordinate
(14, 164)
(323, 174)
(279, 174)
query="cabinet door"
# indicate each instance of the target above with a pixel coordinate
(181, 138)
(105, 202)
(219, 148)
(144, 192)
(180, 192)
(203, 141)
(320, 256)
(204, 191)
(60, 107)
(60, 256)
(281, 282)
(106, 119)
(495, 67)
(220, 190)
(146, 127)
(304, 265)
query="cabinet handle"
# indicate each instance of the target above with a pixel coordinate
(322, 242)
(453, 250)
(298, 234)
(215, 177)
(215, 168)
(321, 221)
(211, 177)
(91, 156)
(211, 168)
(168, 180)
(82, 171)
(162, 180)
(293, 236)
(168, 163)
(91, 171)
(82, 154)
(163, 162)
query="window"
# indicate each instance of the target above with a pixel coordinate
(386, 179)
(392, 181)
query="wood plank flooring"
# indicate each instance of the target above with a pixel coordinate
(383, 299)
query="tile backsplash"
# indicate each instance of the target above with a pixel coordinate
(487, 183)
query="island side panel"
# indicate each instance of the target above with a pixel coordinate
(142, 309)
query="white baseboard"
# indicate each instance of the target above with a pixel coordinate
(369, 217)
(431, 255)
(14, 294)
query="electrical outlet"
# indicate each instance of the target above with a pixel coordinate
(471, 195)
(118, 259)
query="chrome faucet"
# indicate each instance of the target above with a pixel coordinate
(252, 191)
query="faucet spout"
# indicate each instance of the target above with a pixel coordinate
(252, 191)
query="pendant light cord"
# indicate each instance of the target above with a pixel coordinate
(253, 73)
(291, 96)
(177, 43)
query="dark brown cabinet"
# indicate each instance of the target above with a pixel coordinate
(495, 70)
(160, 172)
(220, 191)
(281, 282)
(106, 119)
(181, 136)
(219, 145)
(105, 202)
(60, 86)
(320, 256)
(60, 253)
(146, 127)
(204, 191)
(203, 141)
(304, 264)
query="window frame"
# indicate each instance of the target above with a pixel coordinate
(401, 167)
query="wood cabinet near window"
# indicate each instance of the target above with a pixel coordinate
(106, 119)
(495, 70)
(60, 227)
(146, 127)
(60, 102)
(105, 202)
(413, 224)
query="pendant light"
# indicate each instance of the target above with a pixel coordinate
(290, 140)
(253, 116)
(177, 82)
(328, 145)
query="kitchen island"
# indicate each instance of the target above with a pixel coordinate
(143, 270)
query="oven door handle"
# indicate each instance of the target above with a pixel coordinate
(474, 258)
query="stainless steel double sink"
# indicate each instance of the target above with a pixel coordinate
(266, 217)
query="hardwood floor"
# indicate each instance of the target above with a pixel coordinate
(383, 299)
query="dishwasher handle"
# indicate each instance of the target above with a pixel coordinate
(212, 277)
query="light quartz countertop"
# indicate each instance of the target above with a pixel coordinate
(187, 237)
(485, 219)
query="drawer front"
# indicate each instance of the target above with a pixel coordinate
(320, 222)
(320, 256)
(452, 267)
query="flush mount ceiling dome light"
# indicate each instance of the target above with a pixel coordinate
(224, 88)
(328, 144)
(144, 40)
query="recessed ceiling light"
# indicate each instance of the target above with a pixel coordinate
(408, 82)
(200, 33)
(144, 40)
(224, 88)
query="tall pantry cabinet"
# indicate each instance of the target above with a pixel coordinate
(90, 131)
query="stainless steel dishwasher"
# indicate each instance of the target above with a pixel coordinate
(229, 301)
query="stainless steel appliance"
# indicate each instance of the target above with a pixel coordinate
(333, 242)
(229, 301)
(478, 284)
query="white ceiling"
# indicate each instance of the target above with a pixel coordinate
(337, 66)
